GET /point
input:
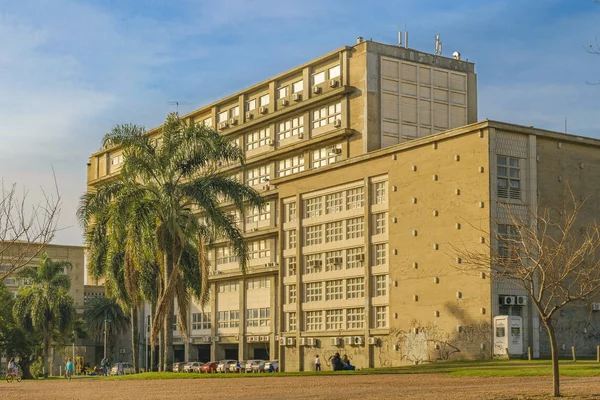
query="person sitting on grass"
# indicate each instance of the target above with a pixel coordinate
(346, 363)
(336, 362)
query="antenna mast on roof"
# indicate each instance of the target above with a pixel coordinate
(403, 37)
(438, 45)
(177, 103)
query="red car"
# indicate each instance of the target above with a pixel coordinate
(210, 367)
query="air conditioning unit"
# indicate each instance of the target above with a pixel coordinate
(250, 339)
(521, 300)
(270, 265)
(284, 102)
(249, 115)
(333, 83)
(233, 121)
(282, 341)
(216, 339)
(335, 341)
(358, 340)
(121, 351)
(270, 142)
(337, 123)
(297, 96)
(335, 151)
(301, 135)
(266, 187)
(348, 340)
(316, 90)
(291, 341)
(595, 306)
(261, 339)
(360, 257)
(311, 341)
(507, 300)
(303, 341)
(373, 340)
(237, 337)
(315, 263)
(223, 125)
(335, 261)
(263, 110)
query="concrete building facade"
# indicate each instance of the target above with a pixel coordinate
(373, 167)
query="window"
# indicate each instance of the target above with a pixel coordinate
(355, 258)
(334, 261)
(327, 115)
(228, 319)
(291, 294)
(291, 127)
(355, 198)
(334, 319)
(208, 122)
(379, 192)
(291, 239)
(380, 285)
(289, 166)
(508, 243)
(258, 283)
(251, 105)
(355, 288)
(258, 317)
(291, 322)
(116, 160)
(333, 72)
(259, 249)
(313, 207)
(334, 290)
(318, 78)
(380, 317)
(509, 177)
(380, 223)
(355, 318)
(234, 112)
(380, 254)
(255, 214)
(290, 264)
(282, 92)
(201, 321)
(326, 156)
(313, 263)
(355, 228)
(229, 286)
(258, 175)
(298, 86)
(225, 255)
(264, 100)
(290, 211)
(313, 292)
(314, 235)
(333, 203)
(313, 320)
(258, 139)
(334, 232)
(222, 117)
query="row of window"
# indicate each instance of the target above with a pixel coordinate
(335, 231)
(201, 321)
(338, 289)
(337, 260)
(338, 319)
(255, 317)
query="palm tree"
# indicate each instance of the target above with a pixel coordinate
(45, 305)
(104, 308)
(163, 187)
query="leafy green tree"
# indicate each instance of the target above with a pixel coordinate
(165, 183)
(45, 305)
(103, 308)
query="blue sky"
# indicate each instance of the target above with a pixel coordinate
(70, 70)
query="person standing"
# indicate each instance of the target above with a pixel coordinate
(69, 368)
(103, 365)
(317, 363)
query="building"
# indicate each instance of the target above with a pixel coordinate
(372, 165)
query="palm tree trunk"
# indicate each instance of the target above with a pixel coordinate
(161, 346)
(152, 311)
(168, 321)
(135, 340)
(554, 352)
(46, 333)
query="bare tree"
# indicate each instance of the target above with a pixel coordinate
(552, 253)
(25, 229)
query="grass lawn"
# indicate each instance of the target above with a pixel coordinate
(499, 368)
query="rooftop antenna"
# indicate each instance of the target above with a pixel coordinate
(438, 45)
(403, 37)
(177, 103)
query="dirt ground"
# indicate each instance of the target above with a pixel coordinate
(359, 387)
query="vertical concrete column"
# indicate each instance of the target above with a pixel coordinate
(242, 109)
(277, 312)
(534, 321)
(273, 346)
(306, 83)
(213, 318)
(213, 117)
(272, 98)
(368, 260)
(299, 272)
(242, 350)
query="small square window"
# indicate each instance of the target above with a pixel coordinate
(283, 92)
(264, 100)
(318, 78)
(334, 72)
(251, 105)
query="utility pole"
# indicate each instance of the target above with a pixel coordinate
(105, 335)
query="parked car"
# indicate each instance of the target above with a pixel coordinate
(255, 365)
(209, 367)
(124, 368)
(224, 365)
(189, 367)
(178, 366)
(237, 367)
(274, 363)
(198, 369)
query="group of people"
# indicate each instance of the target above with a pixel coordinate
(338, 363)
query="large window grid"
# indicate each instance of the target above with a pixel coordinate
(355, 258)
(228, 319)
(380, 193)
(291, 266)
(334, 290)
(380, 317)
(380, 283)
(289, 166)
(256, 317)
(291, 322)
(355, 228)
(334, 261)
(291, 127)
(258, 175)
(355, 198)
(509, 177)
(313, 263)
(258, 139)
(313, 291)
(334, 320)
(313, 235)
(325, 156)
(313, 207)
(259, 249)
(380, 254)
(292, 294)
(334, 203)
(355, 288)
(313, 320)
(380, 224)
(228, 286)
(255, 214)
(508, 243)
(334, 231)
(258, 283)
(225, 255)
(290, 239)
(290, 212)
(327, 115)
(201, 321)
(355, 318)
